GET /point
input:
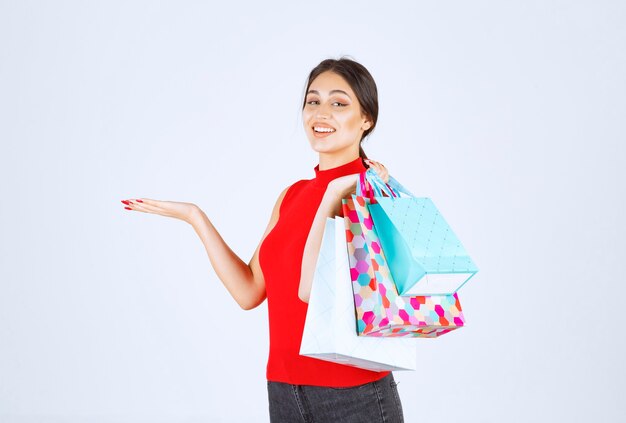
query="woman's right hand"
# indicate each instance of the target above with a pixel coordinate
(177, 210)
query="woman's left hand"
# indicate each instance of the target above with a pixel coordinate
(380, 169)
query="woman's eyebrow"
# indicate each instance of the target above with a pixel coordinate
(331, 92)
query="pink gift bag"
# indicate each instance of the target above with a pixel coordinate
(380, 310)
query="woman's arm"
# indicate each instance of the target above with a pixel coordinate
(244, 282)
(329, 207)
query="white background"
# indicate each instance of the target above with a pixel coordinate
(509, 115)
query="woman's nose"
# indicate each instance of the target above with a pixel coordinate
(323, 111)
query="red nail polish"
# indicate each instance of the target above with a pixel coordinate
(127, 208)
(125, 202)
(138, 200)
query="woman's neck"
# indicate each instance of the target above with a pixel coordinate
(329, 161)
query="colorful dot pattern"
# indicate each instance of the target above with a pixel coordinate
(380, 310)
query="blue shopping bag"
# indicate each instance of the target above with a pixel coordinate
(424, 255)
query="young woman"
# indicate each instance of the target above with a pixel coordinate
(340, 109)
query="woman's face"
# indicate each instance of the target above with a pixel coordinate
(332, 116)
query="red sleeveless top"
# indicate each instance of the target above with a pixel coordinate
(280, 257)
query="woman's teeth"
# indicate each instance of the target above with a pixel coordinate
(319, 129)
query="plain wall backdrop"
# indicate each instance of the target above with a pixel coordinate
(509, 115)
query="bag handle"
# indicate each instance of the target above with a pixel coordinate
(393, 188)
(378, 185)
(364, 188)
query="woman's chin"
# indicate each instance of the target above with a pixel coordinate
(325, 146)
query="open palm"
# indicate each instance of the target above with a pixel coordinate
(175, 209)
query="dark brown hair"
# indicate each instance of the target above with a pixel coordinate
(361, 82)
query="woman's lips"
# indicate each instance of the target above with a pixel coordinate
(322, 134)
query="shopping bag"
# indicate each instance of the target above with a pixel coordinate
(380, 310)
(330, 326)
(424, 255)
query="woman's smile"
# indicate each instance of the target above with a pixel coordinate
(321, 130)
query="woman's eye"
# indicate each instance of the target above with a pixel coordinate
(336, 102)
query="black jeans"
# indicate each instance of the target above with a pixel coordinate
(376, 401)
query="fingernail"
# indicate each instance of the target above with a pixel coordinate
(138, 200)
(125, 202)
(127, 208)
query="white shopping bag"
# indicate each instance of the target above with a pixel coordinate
(330, 328)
